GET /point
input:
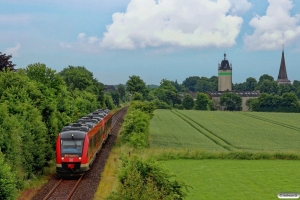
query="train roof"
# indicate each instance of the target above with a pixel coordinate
(75, 134)
(84, 124)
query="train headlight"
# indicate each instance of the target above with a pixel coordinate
(62, 158)
(79, 158)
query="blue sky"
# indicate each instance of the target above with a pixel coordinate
(153, 39)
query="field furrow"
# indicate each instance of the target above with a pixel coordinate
(216, 139)
(168, 130)
(225, 130)
(272, 121)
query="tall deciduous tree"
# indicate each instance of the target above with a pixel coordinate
(270, 87)
(250, 84)
(136, 84)
(5, 62)
(167, 93)
(190, 83)
(121, 91)
(231, 101)
(79, 77)
(265, 77)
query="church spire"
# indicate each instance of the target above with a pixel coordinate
(282, 75)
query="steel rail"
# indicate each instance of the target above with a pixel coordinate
(53, 190)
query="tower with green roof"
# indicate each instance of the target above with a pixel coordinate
(225, 75)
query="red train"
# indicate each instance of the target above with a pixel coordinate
(78, 143)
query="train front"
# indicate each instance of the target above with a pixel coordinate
(70, 159)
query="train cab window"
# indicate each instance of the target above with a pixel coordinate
(71, 148)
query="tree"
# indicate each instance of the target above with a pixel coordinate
(270, 87)
(265, 77)
(122, 91)
(250, 84)
(188, 102)
(201, 101)
(79, 77)
(136, 84)
(203, 85)
(167, 93)
(231, 101)
(190, 83)
(116, 98)
(178, 86)
(5, 62)
(284, 88)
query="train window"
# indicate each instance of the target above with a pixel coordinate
(71, 148)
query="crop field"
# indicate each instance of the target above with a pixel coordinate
(236, 179)
(225, 131)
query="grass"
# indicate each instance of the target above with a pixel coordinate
(109, 175)
(236, 179)
(225, 131)
(168, 130)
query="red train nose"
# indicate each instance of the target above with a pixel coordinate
(71, 166)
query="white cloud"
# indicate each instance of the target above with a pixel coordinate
(189, 23)
(81, 37)
(14, 51)
(84, 43)
(239, 7)
(275, 28)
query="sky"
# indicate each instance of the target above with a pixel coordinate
(153, 39)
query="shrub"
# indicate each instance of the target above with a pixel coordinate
(202, 101)
(7, 181)
(145, 180)
(161, 105)
(137, 97)
(188, 102)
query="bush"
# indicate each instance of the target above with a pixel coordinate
(210, 105)
(143, 180)
(137, 97)
(188, 102)
(7, 181)
(135, 128)
(160, 104)
(202, 101)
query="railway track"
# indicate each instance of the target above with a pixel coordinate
(86, 186)
(64, 189)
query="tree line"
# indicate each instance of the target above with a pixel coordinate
(36, 102)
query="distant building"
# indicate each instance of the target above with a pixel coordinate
(225, 85)
(225, 75)
(282, 75)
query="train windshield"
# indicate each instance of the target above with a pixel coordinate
(71, 148)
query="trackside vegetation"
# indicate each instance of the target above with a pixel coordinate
(145, 179)
(142, 178)
(35, 103)
(135, 131)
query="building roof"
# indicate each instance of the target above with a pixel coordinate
(282, 75)
(225, 65)
(241, 93)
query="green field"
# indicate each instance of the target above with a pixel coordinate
(236, 179)
(225, 131)
(236, 155)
